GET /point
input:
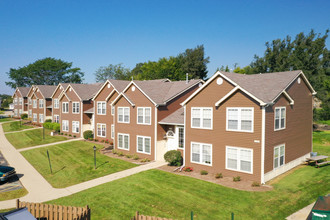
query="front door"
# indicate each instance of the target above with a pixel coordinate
(172, 141)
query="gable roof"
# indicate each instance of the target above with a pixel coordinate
(63, 85)
(265, 88)
(176, 118)
(118, 85)
(46, 90)
(85, 91)
(24, 91)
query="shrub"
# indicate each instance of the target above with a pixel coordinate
(56, 127)
(96, 140)
(218, 175)
(24, 116)
(90, 139)
(204, 172)
(70, 135)
(66, 134)
(136, 157)
(120, 153)
(88, 134)
(107, 142)
(61, 133)
(255, 184)
(49, 120)
(47, 125)
(129, 155)
(173, 157)
(74, 136)
(114, 151)
(236, 178)
(188, 169)
(145, 160)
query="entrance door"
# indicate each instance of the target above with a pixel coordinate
(172, 141)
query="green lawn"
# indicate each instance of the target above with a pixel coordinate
(163, 194)
(32, 138)
(327, 122)
(14, 126)
(5, 119)
(13, 194)
(321, 142)
(73, 163)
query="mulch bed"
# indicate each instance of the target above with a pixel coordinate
(245, 185)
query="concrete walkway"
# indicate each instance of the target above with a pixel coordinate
(40, 190)
(302, 213)
(9, 132)
(50, 144)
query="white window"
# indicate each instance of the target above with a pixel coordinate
(101, 130)
(239, 159)
(35, 118)
(34, 103)
(201, 118)
(15, 101)
(20, 101)
(56, 119)
(56, 103)
(30, 113)
(112, 131)
(181, 137)
(279, 118)
(65, 125)
(101, 108)
(65, 107)
(279, 152)
(41, 118)
(144, 115)
(75, 126)
(240, 119)
(75, 107)
(123, 141)
(112, 110)
(143, 144)
(30, 101)
(20, 111)
(15, 112)
(123, 114)
(201, 153)
(41, 103)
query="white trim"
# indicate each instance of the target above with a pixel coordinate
(201, 153)
(43, 118)
(288, 97)
(81, 119)
(73, 108)
(105, 107)
(143, 115)
(279, 128)
(123, 141)
(133, 83)
(66, 112)
(34, 114)
(201, 117)
(112, 132)
(165, 123)
(101, 126)
(58, 103)
(263, 134)
(279, 156)
(239, 119)
(111, 93)
(67, 122)
(155, 135)
(239, 160)
(42, 102)
(73, 130)
(143, 144)
(184, 136)
(129, 114)
(105, 83)
(226, 96)
(118, 97)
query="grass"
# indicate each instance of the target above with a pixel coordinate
(13, 194)
(321, 142)
(73, 163)
(32, 138)
(158, 193)
(5, 119)
(14, 126)
(327, 122)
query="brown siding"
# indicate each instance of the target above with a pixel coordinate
(48, 110)
(218, 136)
(37, 110)
(134, 129)
(25, 101)
(297, 136)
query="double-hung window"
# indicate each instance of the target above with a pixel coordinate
(101, 108)
(101, 130)
(20, 101)
(75, 107)
(202, 118)
(41, 118)
(181, 137)
(15, 101)
(279, 152)
(34, 103)
(144, 144)
(56, 119)
(123, 141)
(239, 159)
(65, 107)
(201, 153)
(65, 125)
(112, 131)
(112, 110)
(123, 114)
(56, 103)
(240, 119)
(20, 111)
(30, 101)
(144, 115)
(34, 119)
(75, 126)
(41, 103)
(280, 118)
(30, 113)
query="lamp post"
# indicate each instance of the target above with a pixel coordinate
(94, 148)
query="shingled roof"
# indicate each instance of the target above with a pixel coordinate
(161, 91)
(46, 90)
(176, 118)
(86, 91)
(24, 90)
(120, 85)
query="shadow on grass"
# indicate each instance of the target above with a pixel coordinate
(59, 170)
(102, 164)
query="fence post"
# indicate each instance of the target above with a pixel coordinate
(192, 215)
(232, 216)
(137, 215)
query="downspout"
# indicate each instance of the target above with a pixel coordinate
(81, 109)
(155, 136)
(263, 128)
(184, 136)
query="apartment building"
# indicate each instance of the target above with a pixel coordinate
(56, 110)
(20, 101)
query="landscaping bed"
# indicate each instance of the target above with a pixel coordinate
(132, 158)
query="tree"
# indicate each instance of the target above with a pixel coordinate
(47, 71)
(111, 71)
(6, 100)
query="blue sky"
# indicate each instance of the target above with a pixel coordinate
(97, 33)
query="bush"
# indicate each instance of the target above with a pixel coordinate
(129, 155)
(255, 184)
(188, 169)
(24, 116)
(236, 178)
(204, 172)
(114, 151)
(65, 134)
(49, 120)
(56, 127)
(74, 136)
(90, 139)
(218, 175)
(120, 153)
(173, 157)
(96, 140)
(145, 160)
(136, 157)
(70, 135)
(88, 134)
(48, 125)
(61, 133)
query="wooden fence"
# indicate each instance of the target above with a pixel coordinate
(56, 212)
(143, 217)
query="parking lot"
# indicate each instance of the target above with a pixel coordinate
(11, 184)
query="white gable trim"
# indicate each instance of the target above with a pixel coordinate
(58, 86)
(64, 93)
(288, 97)
(108, 81)
(226, 96)
(111, 93)
(37, 88)
(16, 91)
(133, 83)
(118, 97)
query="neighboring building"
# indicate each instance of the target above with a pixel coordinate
(40, 103)
(253, 126)
(56, 102)
(77, 108)
(140, 108)
(20, 101)
(103, 128)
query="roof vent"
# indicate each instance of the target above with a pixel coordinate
(187, 81)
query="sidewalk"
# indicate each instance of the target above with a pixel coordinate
(9, 132)
(302, 213)
(40, 190)
(50, 144)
